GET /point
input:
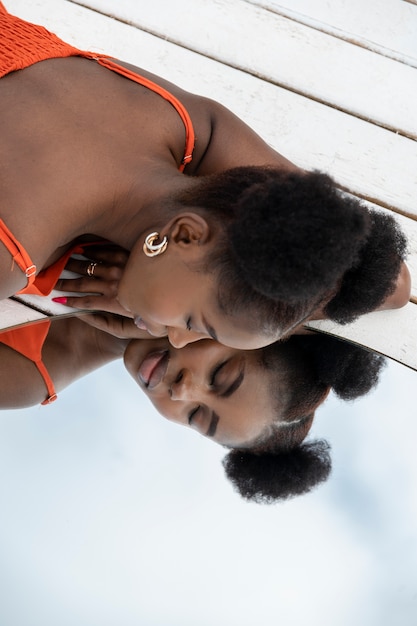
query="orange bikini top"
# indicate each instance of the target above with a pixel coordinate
(29, 340)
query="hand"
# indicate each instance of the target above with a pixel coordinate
(117, 325)
(100, 274)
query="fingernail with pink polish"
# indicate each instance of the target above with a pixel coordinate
(60, 300)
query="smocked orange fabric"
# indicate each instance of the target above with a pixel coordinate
(21, 45)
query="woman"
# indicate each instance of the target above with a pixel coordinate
(229, 240)
(259, 404)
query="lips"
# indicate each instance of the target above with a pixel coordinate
(153, 368)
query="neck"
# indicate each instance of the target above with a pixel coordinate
(110, 347)
(144, 207)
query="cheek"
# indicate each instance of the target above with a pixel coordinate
(166, 409)
(167, 307)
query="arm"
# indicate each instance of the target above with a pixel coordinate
(71, 350)
(21, 385)
(233, 143)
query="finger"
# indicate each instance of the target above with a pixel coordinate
(93, 303)
(94, 269)
(107, 255)
(117, 326)
(76, 265)
(88, 285)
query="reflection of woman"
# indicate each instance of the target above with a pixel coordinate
(92, 147)
(258, 403)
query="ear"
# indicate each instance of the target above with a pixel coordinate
(187, 230)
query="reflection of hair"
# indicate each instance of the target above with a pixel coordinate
(280, 465)
(289, 240)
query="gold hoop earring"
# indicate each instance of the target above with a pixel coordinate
(154, 249)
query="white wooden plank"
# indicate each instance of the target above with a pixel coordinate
(45, 305)
(14, 313)
(27, 309)
(386, 26)
(391, 333)
(368, 160)
(286, 53)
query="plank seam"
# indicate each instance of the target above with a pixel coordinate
(258, 75)
(337, 33)
(377, 202)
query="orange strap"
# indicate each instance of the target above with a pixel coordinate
(46, 280)
(52, 395)
(19, 254)
(105, 61)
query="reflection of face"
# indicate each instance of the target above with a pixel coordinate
(221, 392)
(168, 298)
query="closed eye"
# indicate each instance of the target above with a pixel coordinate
(215, 372)
(214, 420)
(192, 415)
(234, 384)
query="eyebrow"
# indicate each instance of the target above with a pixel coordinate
(210, 330)
(226, 394)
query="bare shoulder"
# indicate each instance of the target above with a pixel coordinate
(223, 140)
(232, 143)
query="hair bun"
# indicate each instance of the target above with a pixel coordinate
(296, 236)
(266, 478)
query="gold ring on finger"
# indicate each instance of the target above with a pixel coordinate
(91, 269)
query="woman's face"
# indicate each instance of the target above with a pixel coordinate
(221, 392)
(167, 298)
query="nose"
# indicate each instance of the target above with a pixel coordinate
(180, 338)
(183, 388)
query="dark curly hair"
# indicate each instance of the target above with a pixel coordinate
(279, 465)
(290, 242)
(372, 279)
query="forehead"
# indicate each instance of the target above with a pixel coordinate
(237, 331)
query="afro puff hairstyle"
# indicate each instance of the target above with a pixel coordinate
(292, 242)
(279, 465)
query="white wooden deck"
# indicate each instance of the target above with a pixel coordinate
(332, 86)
